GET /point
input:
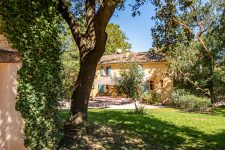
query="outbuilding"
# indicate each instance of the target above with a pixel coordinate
(11, 123)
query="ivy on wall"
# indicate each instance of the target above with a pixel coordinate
(32, 28)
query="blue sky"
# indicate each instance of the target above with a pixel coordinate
(137, 29)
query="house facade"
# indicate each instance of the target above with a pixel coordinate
(153, 65)
(11, 122)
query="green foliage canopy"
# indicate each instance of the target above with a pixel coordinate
(116, 39)
(189, 31)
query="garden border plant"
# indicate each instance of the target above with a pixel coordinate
(189, 102)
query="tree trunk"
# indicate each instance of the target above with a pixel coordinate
(82, 89)
(211, 84)
(83, 86)
(91, 47)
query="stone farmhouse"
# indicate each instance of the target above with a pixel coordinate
(156, 78)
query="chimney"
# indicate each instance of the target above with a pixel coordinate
(119, 51)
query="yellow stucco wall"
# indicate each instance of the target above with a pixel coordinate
(115, 72)
(158, 71)
(11, 124)
(154, 71)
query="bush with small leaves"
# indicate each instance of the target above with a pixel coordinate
(189, 102)
(150, 98)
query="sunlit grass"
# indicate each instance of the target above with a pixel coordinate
(165, 128)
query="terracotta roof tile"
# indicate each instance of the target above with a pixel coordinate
(132, 57)
(7, 54)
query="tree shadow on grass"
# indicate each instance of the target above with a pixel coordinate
(219, 111)
(123, 130)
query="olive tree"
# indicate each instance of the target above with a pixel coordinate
(130, 83)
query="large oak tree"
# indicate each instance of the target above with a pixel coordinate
(116, 39)
(91, 45)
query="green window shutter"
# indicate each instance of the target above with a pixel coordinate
(109, 70)
(102, 71)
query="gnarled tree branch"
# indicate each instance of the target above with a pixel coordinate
(198, 88)
(105, 12)
(71, 21)
(90, 14)
(198, 37)
(96, 23)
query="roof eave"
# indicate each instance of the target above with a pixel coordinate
(162, 61)
(9, 56)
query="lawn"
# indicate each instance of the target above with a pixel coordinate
(164, 128)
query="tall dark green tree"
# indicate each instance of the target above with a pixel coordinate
(32, 28)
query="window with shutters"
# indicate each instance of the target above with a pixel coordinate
(102, 71)
(140, 69)
(108, 71)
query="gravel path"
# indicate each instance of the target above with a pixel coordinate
(111, 103)
(131, 106)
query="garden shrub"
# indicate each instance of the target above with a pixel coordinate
(130, 83)
(185, 100)
(140, 111)
(150, 98)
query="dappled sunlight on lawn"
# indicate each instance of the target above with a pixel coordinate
(158, 129)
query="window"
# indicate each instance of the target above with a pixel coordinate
(102, 71)
(151, 85)
(100, 88)
(109, 71)
(161, 83)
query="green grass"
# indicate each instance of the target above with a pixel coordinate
(165, 128)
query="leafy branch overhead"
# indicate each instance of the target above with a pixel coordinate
(186, 28)
(181, 21)
(96, 21)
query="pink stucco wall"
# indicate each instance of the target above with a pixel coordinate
(11, 124)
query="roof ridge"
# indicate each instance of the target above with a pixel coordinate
(138, 56)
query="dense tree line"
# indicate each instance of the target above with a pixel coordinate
(188, 31)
